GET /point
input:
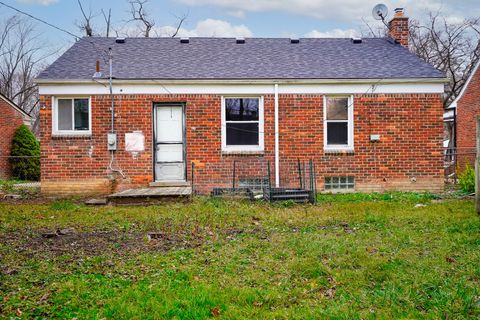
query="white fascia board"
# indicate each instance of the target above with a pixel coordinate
(94, 88)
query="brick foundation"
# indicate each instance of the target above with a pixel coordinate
(408, 156)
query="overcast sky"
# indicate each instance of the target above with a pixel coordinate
(248, 18)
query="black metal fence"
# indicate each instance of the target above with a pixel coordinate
(455, 160)
(257, 180)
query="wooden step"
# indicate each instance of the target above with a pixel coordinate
(153, 195)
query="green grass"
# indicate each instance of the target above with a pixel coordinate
(348, 257)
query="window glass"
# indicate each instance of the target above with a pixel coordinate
(337, 133)
(242, 121)
(240, 109)
(81, 114)
(239, 134)
(64, 114)
(339, 183)
(337, 109)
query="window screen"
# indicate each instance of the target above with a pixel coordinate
(64, 114)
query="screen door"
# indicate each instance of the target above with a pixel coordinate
(169, 143)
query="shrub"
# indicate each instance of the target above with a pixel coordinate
(25, 144)
(466, 179)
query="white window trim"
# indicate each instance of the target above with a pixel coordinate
(57, 132)
(339, 147)
(243, 148)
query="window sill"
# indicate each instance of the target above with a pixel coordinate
(243, 153)
(339, 151)
(60, 136)
(337, 191)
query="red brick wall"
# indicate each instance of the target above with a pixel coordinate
(408, 157)
(468, 108)
(10, 120)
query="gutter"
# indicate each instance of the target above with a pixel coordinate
(239, 81)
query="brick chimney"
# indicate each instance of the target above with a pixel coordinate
(399, 27)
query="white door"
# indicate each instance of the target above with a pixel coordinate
(169, 143)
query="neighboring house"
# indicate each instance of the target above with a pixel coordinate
(466, 108)
(11, 117)
(367, 111)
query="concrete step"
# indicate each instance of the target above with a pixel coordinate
(168, 184)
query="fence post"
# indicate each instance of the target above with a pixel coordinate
(477, 169)
(300, 173)
(233, 178)
(193, 177)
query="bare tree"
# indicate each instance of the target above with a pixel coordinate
(86, 24)
(107, 21)
(453, 48)
(21, 57)
(181, 20)
(138, 12)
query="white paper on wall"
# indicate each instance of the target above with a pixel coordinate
(134, 141)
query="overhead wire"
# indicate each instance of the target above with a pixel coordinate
(39, 19)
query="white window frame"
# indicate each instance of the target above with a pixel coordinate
(73, 132)
(350, 124)
(243, 148)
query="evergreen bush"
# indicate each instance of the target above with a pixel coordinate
(25, 145)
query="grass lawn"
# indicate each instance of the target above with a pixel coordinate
(348, 257)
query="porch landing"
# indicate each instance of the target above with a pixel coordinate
(150, 195)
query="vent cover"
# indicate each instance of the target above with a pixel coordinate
(357, 40)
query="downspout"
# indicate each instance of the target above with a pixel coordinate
(277, 146)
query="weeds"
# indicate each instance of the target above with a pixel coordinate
(343, 258)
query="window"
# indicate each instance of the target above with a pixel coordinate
(339, 183)
(338, 123)
(254, 184)
(71, 116)
(242, 124)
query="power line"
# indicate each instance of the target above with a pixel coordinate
(38, 19)
(102, 54)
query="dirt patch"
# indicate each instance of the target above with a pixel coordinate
(95, 243)
(234, 233)
(80, 244)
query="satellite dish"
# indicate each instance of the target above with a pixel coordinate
(380, 12)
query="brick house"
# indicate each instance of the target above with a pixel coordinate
(465, 109)
(11, 117)
(367, 111)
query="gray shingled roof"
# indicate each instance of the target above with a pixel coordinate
(257, 58)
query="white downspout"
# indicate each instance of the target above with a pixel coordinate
(277, 147)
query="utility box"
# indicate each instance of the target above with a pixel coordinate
(112, 141)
